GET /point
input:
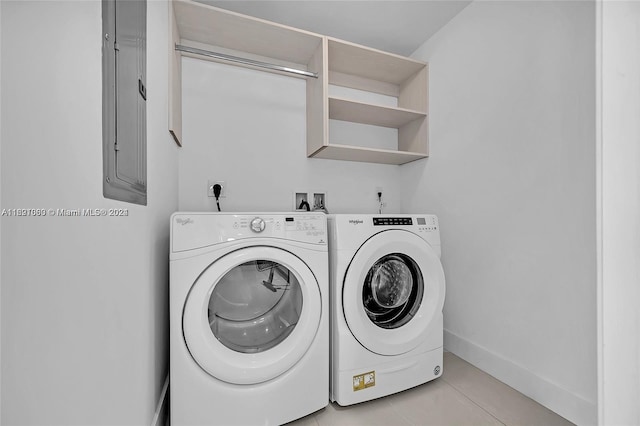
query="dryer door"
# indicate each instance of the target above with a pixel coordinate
(392, 291)
(252, 314)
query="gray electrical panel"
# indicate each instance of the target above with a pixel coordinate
(124, 95)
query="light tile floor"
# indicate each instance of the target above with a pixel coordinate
(464, 395)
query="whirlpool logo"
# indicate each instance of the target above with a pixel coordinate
(356, 221)
(183, 222)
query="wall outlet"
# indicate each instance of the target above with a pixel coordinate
(223, 184)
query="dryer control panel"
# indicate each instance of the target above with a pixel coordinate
(195, 230)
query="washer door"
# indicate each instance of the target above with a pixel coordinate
(392, 291)
(252, 315)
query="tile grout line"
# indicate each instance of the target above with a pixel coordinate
(473, 402)
(399, 413)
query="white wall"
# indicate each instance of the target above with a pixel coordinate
(0, 207)
(619, 213)
(512, 178)
(84, 299)
(247, 128)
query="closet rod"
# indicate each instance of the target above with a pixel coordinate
(245, 61)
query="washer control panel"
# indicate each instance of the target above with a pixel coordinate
(427, 223)
(349, 231)
(399, 221)
(418, 223)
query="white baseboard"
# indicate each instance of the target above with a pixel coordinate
(567, 404)
(162, 409)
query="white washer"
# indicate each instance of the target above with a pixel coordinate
(387, 293)
(249, 326)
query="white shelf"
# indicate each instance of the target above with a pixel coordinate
(365, 69)
(218, 27)
(334, 61)
(369, 155)
(221, 31)
(377, 115)
(372, 64)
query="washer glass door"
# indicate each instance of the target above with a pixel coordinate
(252, 314)
(393, 289)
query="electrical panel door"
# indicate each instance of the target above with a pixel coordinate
(124, 100)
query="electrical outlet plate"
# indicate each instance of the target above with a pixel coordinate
(223, 184)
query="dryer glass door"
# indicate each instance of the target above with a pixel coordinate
(252, 314)
(255, 306)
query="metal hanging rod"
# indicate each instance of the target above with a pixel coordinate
(245, 61)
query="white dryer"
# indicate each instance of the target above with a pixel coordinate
(387, 293)
(249, 329)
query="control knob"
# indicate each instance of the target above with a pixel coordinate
(257, 225)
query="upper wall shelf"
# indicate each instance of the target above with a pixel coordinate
(372, 64)
(335, 62)
(201, 26)
(376, 115)
(217, 27)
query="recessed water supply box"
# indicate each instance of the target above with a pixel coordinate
(310, 201)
